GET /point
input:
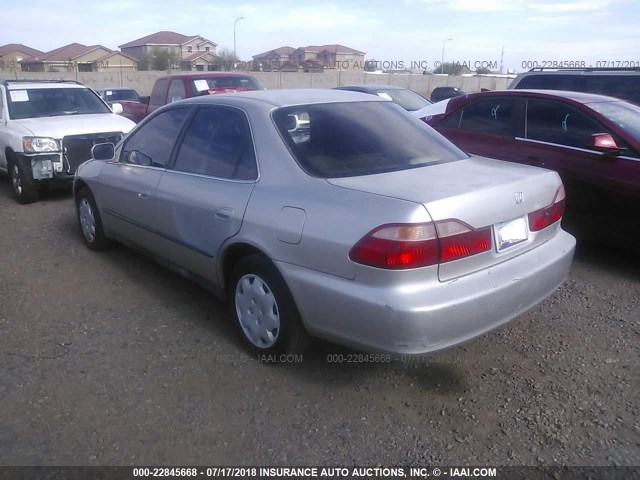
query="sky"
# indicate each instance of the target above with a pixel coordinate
(542, 31)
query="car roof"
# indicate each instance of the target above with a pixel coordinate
(371, 86)
(584, 71)
(288, 97)
(580, 97)
(114, 88)
(23, 85)
(207, 75)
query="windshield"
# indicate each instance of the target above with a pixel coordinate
(52, 102)
(626, 115)
(115, 95)
(205, 85)
(407, 99)
(360, 138)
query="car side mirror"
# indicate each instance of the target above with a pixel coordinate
(117, 108)
(103, 151)
(605, 143)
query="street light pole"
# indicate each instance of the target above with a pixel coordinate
(442, 59)
(234, 39)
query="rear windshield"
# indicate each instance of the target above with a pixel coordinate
(407, 99)
(115, 95)
(360, 138)
(625, 115)
(626, 87)
(52, 102)
(212, 84)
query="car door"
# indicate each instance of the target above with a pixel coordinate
(557, 137)
(127, 185)
(487, 126)
(202, 197)
(4, 133)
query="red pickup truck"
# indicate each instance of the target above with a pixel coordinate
(172, 88)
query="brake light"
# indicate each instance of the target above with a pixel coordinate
(404, 246)
(548, 215)
(459, 240)
(398, 246)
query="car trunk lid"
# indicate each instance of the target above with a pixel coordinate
(477, 191)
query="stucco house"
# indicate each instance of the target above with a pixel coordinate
(191, 52)
(72, 57)
(12, 54)
(313, 57)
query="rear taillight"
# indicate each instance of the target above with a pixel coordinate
(548, 215)
(398, 246)
(403, 246)
(459, 240)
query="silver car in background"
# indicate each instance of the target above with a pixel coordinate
(332, 214)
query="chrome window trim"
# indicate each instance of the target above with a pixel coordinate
(593, 152)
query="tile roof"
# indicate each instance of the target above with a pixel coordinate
(196, 55)
(334, 48)
(162, 38)
(282, 52)
(18, 47)
(109, 55)
(66, 53)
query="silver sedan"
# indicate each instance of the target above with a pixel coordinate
(331, 214)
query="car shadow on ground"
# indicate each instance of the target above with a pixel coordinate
(605, 243)
(53, 194)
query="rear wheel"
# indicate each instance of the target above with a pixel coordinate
(263, 309)
(23, 188)
(90, 221)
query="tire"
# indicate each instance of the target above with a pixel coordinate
(90, 221)
(263, 309)
(23, 188)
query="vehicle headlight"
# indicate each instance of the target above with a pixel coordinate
(40, 144)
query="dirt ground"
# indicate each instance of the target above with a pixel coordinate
(108, 359)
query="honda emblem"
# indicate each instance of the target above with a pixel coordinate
(519, 197)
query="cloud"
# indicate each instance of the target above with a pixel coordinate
(573, 6)
(542, 6)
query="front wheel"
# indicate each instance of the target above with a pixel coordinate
(263, 309)
(23, 188)
(90, 221)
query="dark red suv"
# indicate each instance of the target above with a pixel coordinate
(592, 141)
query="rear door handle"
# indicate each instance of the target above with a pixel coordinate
(143, 196)
(223, 213)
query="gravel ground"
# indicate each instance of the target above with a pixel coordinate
(107, 358)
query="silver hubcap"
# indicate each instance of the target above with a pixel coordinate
(257, 311)
(17, 183)
(87, 220)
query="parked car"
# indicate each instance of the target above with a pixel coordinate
(171, 88)
(592, 141)
(47, 130)
(407, 99)
(117, 94)
(622, 83)
(313, 219)
(442, 93)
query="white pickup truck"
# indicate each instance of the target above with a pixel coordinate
(47, 129)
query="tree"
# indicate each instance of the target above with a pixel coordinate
(159, 59)
(450, 68)
(371, 65)
(483, 71)
(226, 58)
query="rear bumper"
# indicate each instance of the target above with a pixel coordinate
(430, 315)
